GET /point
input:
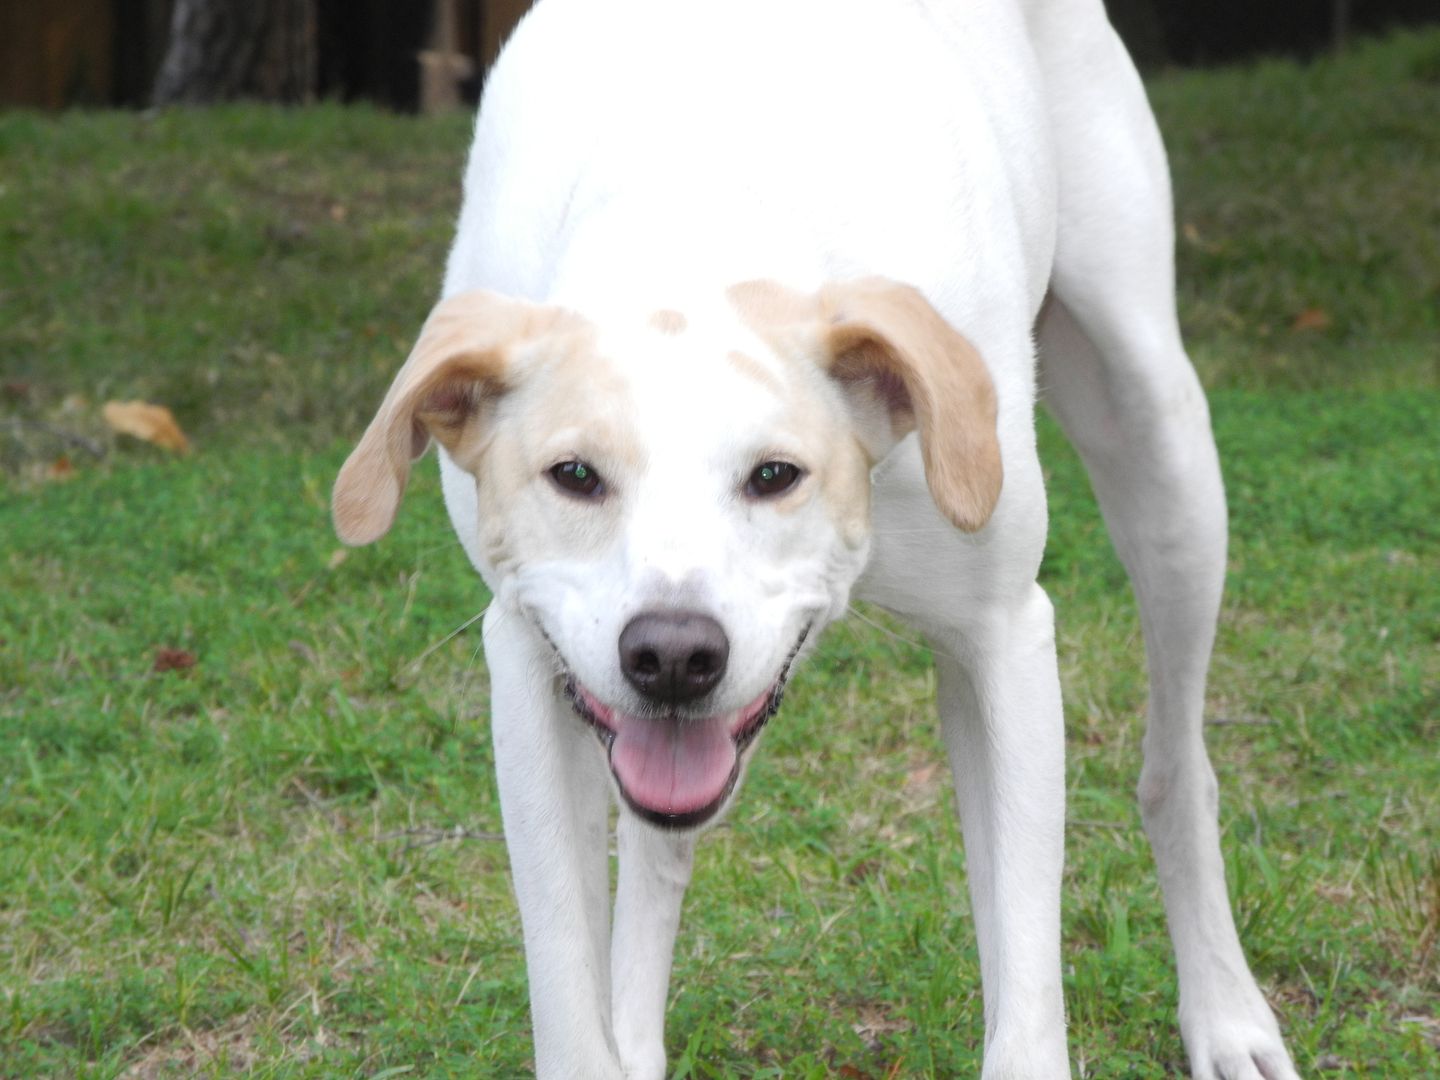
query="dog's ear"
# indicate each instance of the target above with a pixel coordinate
(460, 358)
(905, 369)
(884, 340)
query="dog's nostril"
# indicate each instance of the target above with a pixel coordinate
(673, 656)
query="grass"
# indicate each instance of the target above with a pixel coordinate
(279, 861)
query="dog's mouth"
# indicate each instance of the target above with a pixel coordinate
(677, 770)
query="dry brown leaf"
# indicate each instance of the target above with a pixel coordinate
(152, 423)
(1196, 239)
(875, 1023)
(921, 777)
(1313, 318)
(863, 869)
(167, 659)
(62, 468)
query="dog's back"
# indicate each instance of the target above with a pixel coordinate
(689, 144)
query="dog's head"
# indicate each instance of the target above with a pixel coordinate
(679, 502)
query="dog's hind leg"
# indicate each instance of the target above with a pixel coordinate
(555, 802)
(654, 872)
(1115, 374)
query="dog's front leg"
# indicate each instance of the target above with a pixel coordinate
(999, 697)
(554, 801)
(654, 871)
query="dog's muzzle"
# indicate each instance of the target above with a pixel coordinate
(673, 769)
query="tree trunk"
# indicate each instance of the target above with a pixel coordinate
(221, 50)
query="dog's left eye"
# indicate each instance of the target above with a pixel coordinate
(771, 478)
(577, 478)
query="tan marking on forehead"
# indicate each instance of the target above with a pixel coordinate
(753, 369)
(668, 321)
(789, 322)
(766, 303)
(585, 392)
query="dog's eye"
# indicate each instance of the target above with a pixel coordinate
(577, 478)
(771, 478)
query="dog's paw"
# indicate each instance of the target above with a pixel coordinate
(1238, 1048)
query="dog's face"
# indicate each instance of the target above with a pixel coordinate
(679, 501)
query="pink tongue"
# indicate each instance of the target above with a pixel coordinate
(671, 766)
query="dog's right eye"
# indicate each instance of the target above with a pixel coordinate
(577, 478)
(771, 478)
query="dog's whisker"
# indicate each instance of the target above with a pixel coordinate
(449, 637)
(424, 552)
(471, 666)
(876, 624)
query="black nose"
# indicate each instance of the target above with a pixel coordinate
(673, 656)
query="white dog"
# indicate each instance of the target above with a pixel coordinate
(734, 281)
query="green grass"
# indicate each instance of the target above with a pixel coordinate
(252, 865)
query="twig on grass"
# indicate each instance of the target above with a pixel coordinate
(90, 446)
(427, 837)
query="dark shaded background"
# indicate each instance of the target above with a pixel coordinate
(1162, 33)
(58, 53)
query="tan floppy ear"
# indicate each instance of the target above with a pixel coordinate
(460, 356)
(930, 379)
(884, 342)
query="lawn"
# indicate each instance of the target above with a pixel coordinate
(247, 818)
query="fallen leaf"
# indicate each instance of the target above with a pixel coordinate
(1313, 318)
(61, 468)
(338, 556)
(167, 659)
(152, 423)
(921, 777)
(863, 869)
(874, 1023)
(339, 212)
(1196, 239)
